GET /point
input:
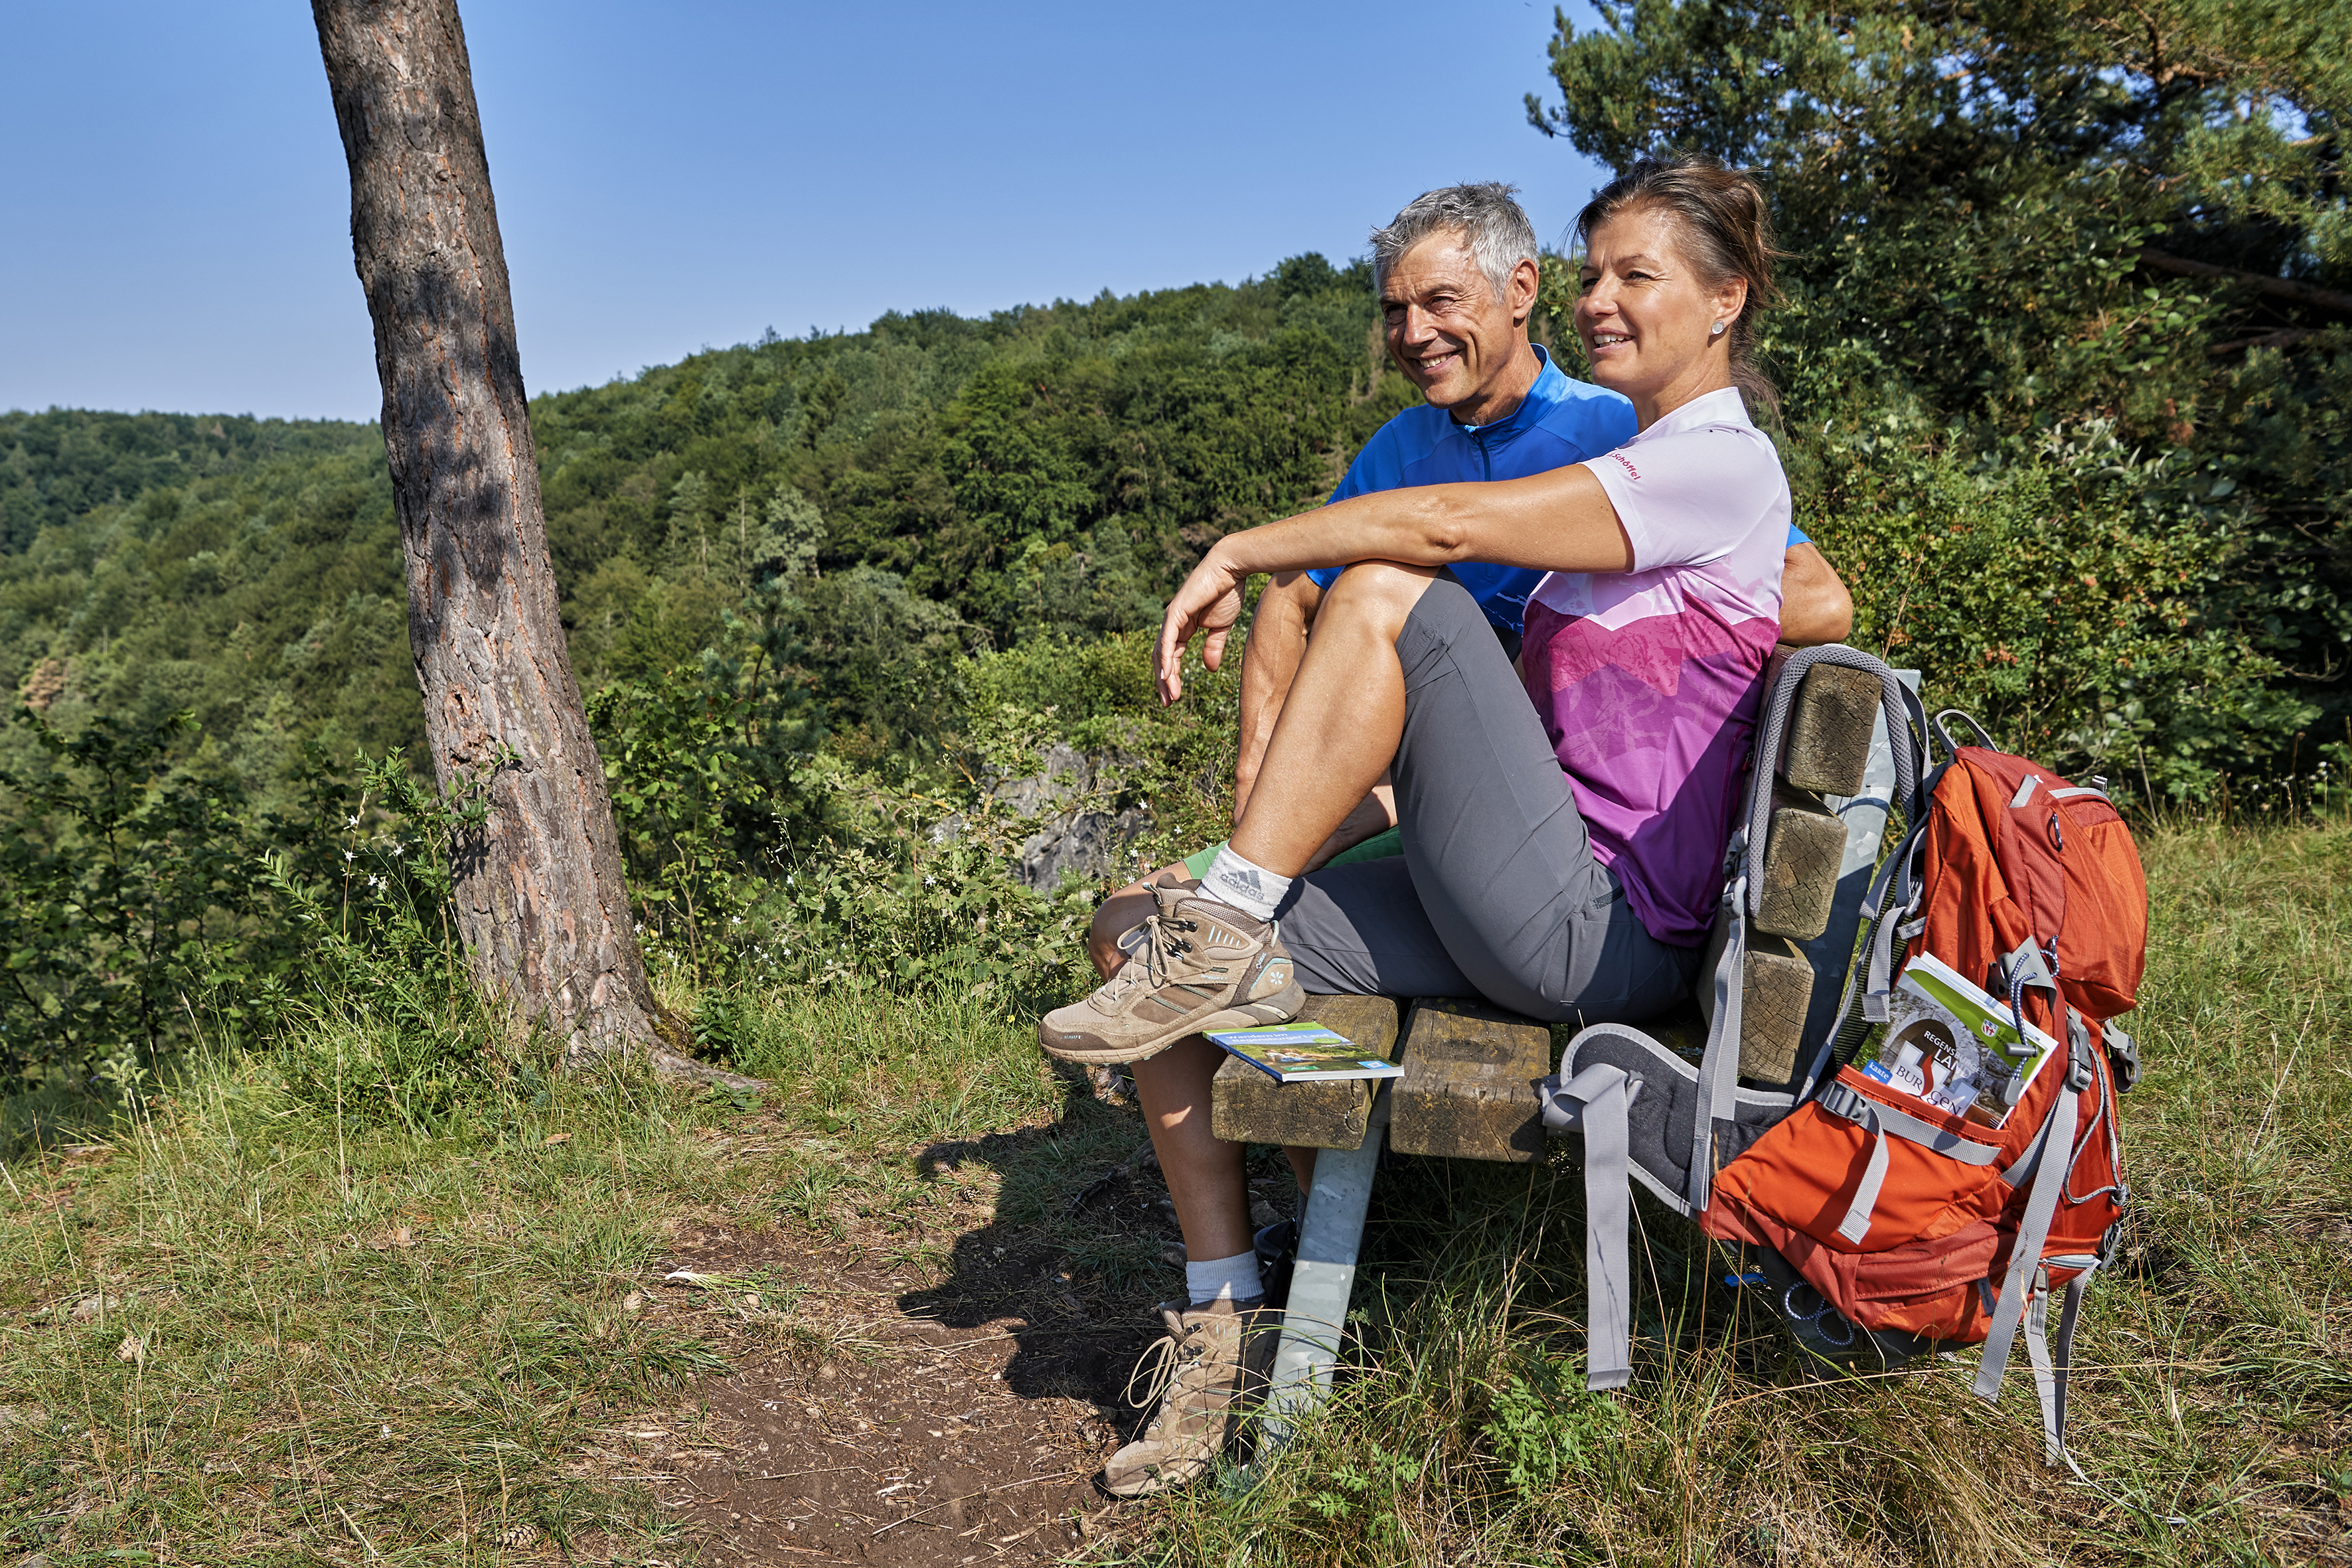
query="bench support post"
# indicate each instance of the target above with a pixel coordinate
(1865, 832)
(1331, 1233)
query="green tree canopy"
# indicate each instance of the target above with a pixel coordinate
(2094, 258)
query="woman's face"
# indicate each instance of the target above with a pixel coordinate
(1646, 319)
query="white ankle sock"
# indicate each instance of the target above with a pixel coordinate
(1230, 1278)
(1251, 888)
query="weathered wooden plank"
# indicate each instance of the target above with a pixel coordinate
(1801, 855)
(1245, 1106)
(1772, 1008)
(1829, 730)
(1468, 1089)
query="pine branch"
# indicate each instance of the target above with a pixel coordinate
(2280, 287)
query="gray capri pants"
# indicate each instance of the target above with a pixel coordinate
(1498, 893)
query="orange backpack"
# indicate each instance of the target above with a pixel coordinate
(1886, 1227)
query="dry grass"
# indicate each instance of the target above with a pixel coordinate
(245, 1329)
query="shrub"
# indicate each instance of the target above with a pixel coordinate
(126, 899)
(2059, 603)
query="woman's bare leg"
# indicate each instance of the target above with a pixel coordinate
(1340, 723)
(1178, 1092)
(1121, 913)
(1337, 735)
(1204, 1172)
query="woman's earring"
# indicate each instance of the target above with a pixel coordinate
(1717, 331)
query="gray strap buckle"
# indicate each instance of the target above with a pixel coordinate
(1594, 1102)
(2122, 1057)
(1838, 1099)
(2080, 1074)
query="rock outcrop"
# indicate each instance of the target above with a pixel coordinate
(1076, 835)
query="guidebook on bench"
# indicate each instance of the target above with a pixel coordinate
(1303, 1052)
(1953, 1046)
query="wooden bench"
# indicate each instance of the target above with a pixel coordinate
(1468, 1090)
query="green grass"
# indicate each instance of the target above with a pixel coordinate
(284, 1317)
(281, 1319)
(240, 1330)
(2215, 1383)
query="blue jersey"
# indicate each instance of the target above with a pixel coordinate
(1558, 423)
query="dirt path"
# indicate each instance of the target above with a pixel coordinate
(884, 1412)
(907, 1438)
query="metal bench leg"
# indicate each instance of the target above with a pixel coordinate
(1865, 831)
(1329, 1233)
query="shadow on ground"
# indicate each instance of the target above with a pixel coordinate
(1084, 1251)
(903, 1395)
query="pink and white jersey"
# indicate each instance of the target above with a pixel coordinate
(1648, 681)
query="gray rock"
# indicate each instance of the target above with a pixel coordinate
(1076, 836)
(1089, 844)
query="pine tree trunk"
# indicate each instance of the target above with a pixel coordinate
(542, 907)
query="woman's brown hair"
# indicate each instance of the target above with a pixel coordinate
(1724, 228)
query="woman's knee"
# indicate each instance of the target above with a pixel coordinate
(1118, 915)
(1383, 592)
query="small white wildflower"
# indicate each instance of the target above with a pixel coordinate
(375, 881)
(929, 880)
(348, 856)
(396, 850)
(351, 821)
(738, 920)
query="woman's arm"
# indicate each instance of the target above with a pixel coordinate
(1561, 520)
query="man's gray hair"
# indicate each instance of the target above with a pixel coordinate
(1497, 230)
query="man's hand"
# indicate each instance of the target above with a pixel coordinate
(1210, 600)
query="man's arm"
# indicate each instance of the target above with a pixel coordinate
(1815, 604)
(1277, 640)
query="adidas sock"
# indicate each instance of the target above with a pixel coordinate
(1253, 890)
(1230, 1278)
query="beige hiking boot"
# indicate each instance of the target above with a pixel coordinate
(1212, 1362)
(1197, 964)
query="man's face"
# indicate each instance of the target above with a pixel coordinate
(1447, 330)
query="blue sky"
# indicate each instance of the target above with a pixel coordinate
(687, 175)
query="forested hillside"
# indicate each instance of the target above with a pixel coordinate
(2065, 375)
(930, 486)
(56, 465)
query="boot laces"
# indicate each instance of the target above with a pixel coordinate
(1159, 943)
(1176, 1365)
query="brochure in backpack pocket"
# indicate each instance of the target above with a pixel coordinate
(1954, 1046)
(1304, 1052)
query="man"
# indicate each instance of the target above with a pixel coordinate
(1457, 275)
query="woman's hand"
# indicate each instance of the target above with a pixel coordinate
(1210, 600)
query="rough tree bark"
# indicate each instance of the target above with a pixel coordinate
(542, 904)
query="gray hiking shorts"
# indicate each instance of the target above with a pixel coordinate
(1498, 894)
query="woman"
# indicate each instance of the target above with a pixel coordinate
(1564, 830)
